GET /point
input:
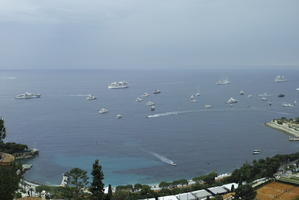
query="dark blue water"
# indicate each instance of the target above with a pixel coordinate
(69, 132)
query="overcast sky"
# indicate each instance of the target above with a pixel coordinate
(148, 33)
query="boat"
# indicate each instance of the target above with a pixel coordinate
(287, 105)
(197, 94)
(146, 94)
(223, 82)
(264, 99)
(139, 99)
(150, 103)
(119, 116)
(280, 78)
(172, 163)
(193, 100)
(118, 85)
(265, 94)
(103, 110)
(249, 96)
(157, 91)
(232, 101)
(208, 106)
(90, 97)
(242, 92)
(297, 89)
(281, 95)
(153, 108)
(28, 95)
(256, 151)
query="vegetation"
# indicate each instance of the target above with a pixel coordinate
(261, 168)
(284, 120)
(245, 192)
(12, 148)
(78, 180)
(9, 181)
(9, 147)
(2, 131)
(97, 186)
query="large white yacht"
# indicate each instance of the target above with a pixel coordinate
(90, 97)
(103, 110)
(232, 100)
(287, 105)
(118, 85)
(28, 95)
(223, 82)
(280, 78)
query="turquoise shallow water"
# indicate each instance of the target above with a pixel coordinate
(69, 133)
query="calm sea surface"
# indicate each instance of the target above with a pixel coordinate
(69, 132)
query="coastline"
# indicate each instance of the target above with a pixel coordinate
(283, 128)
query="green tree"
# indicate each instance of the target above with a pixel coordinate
(97, 185)
(9, 181)
(2, 130)
(210, 178)
(218, 197)
(78, 180)
(245, 192)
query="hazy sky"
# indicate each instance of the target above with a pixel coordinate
(148, 33)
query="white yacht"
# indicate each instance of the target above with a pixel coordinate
(256, 151)
(150, 103)
(119, 116)
(197, 94)
(118, 85)
(146, 94)
(280, 78)
(157, 92)
(287, 105)
(139, 99)
(28, 95)
(223, 82)
(264, 99)
(103, 110)
(90, 97)
(232, 100)
(297, 89)
(249, 96)
(242, 92)
(208, 106)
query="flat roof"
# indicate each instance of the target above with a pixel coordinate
(229, 186)
(217, 190)
(186, 196)
(172, 197)
(201, 194)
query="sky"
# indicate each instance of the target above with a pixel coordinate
(101, 34)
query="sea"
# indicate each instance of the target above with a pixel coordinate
(69, 132)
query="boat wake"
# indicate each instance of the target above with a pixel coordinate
(163, 158)
(214, 110)
(164, 114)
(8, 77)
(78, 95)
